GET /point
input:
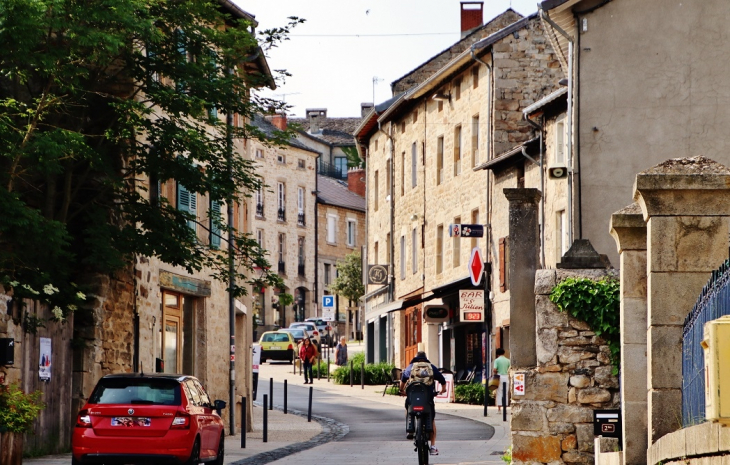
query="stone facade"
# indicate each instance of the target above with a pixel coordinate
(553, 421)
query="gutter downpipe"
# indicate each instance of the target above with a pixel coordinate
(391, 187)
(542, 188)
(571, 41)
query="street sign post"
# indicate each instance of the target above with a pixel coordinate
(466, 230)
(328, 307)
(476, 266)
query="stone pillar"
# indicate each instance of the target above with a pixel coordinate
(685, 203)
(629, 230)
(524, 247)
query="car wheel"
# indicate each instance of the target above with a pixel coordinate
(291, 360)
(221, 451)
(195, 453)
(75, 461)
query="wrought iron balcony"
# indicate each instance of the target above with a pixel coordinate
(301, 220)
(259, 209)
(281, 214)
(300, 269)
(282, 268)
(330, 170)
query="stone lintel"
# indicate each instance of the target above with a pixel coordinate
(522, 195)
(628, 228)
(184, 284)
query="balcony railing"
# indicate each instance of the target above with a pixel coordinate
(330, 170)
(300, 269)
(281, 215)
(259, 209)
(301, 220)
(282, 268)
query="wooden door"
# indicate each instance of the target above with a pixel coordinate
(413, 332)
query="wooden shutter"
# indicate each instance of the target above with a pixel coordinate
(502, 264)
(187, 202)
(215, 230)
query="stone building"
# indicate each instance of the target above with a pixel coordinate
(424, 151)
(284, 223)
(340, 232)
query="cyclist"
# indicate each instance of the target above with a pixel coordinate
(406, 379)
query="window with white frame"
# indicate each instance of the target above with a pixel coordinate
(259, 153)
(351, 232)
(332, 229)
(260, 237)
(561, 142)
(280, 158)
(281, 195)
(282, 247)
(327, 271)
(300, 200)
(260, 201)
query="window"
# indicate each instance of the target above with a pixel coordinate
(282, 253)
(457, 245)
(300, 207)
(415, 115)
(475, 76)
(300, 256)
(187, 202)
(439, 248)
(414, 251)
(441, 105)
(376, 146)
(327, 271)
(280, 158)
(457, 89)
(402, 127)
(439, 160)
(474, 140)
(332, 229)
(561, 234)
(414, 165)
(457, 150)
(260, 202)
(474, 220)
(375, 253)
(389, 171)
(376, 190)
(215, 222)
(260, 237)
(403, 257)
(561, 142)
(351, 231)
(402, 174)
(301, 164)
(259, 153)
(503, 265)
(341, 166)
(281, 200)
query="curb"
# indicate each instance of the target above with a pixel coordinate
(332, 430)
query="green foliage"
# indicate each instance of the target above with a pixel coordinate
(472, 393)
(135, 95)
(598, 304)
(507, 457)
(19, 410)
(375, 374)
(353, 159)
(348, 282)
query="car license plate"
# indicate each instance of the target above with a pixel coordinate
(131, 421)
(274, 348)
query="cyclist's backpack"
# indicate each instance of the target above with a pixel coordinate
(421, 372)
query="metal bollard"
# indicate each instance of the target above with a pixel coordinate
(243, 423)
(351, 373)
(271, 394)
(328, 369)
(309, 412)
(285, 396)
(362, 376)
(266, 421)
(504, 401)
(486, 399)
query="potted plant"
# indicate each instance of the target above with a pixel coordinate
(18, 412)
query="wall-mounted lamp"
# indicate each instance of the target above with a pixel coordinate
(414, 217)
(446, 97)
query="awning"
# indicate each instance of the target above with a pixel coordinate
(390, 307)
(434, 303)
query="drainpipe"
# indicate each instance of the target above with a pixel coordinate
(317, 298)
(571, 40)
(542, 188)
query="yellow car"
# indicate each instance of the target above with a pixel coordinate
(277, 345)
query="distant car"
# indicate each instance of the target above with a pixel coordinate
(298, 333)
(149, 418)
(311, 329)
(322, 328)
(277, 345)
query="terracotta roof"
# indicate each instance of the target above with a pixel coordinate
(330, 191)
(335, 131)
(269, 129)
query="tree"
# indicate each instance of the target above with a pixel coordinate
(348, 282)
(99, 100)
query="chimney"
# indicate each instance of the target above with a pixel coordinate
(315, 117)
(471, 16)
(279, 120)
(356, 181)
(365, 108)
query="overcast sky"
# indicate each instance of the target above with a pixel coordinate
(334, 56)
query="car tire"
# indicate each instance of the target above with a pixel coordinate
(221, 451)
(291, 360)
(195, 453)
(75, 461)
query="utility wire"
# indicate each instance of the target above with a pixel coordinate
(375, 35)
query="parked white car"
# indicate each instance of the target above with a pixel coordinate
(311, 328)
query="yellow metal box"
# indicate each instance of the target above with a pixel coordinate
(716, 344)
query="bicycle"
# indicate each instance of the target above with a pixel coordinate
(420, 419)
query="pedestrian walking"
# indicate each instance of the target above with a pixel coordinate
(501, 368)
(307, 354)
(341, 352)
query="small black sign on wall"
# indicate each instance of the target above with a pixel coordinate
(7, 351)
(607, 423)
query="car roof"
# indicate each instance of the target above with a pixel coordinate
(171, 376)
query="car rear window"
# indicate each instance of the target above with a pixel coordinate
(136, 391)
(298, 333)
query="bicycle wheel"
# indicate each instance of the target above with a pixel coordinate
(421, 442)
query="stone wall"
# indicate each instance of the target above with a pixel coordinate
(553, 421)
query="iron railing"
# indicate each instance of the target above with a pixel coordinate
(713, 302)
(300, 269)
(300, 219)
(259, 209)
(282, 268)
(281, 214)
(330, 170)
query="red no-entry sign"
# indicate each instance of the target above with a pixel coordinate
(476, 266)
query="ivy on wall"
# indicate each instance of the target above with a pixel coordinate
(598, 304)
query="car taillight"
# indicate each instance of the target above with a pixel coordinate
(291, 347)
(83, 420)
(181, 421)
(417, 409)
(316, 333)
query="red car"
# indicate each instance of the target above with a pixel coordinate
(149, 418)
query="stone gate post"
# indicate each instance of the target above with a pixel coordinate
(685, 203)
(629, 230)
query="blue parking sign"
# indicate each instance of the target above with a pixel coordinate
(328, 301)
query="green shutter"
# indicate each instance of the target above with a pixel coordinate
(213, 58)
(215, 230)
(187, 202)
(181, 85)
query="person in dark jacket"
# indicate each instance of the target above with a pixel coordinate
(437, 376)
